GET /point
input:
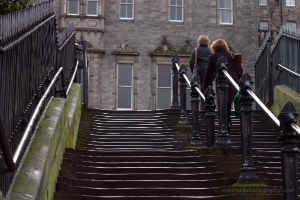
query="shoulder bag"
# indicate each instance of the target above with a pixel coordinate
(237, 63)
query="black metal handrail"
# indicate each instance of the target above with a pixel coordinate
(34, 117)
(250, 92)
(189, 83)
(72, 79)
(290, 71)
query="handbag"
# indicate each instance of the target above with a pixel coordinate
(237, 63)
(194, 72)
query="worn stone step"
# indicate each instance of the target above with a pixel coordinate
(165, 191)
(158, 169)
(148, 176)
(133, 153)
(146, 183)
(136, 158)
(141, 164)
(64, 196)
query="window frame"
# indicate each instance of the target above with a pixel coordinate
(39, 1)
(290, 3)
(97, 7)
(229, 9)
(126, 18)
(158, 87)
(176, 6)
(68, 8)
(261, 25)
(263, 2)
(291, 27)
(124, 86)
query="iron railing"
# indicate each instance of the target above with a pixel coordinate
(283, 51)
(263, 76)
(35, 65)
(287, 122)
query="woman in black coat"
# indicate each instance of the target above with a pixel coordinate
(203, 52)
(220, 48)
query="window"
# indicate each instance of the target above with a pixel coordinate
(35, 2)
(290, 3)
(176, 10)
(124, 89)
(164, 87)
(126, 9)
(292, 25)
(73, 7)
(263, 2)
(264, 25)
(92, 7)
(226, 12)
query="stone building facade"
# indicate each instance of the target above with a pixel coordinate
(131, 42)
(272, 14)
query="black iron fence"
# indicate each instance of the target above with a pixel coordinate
(263, 72)
(35, 65)
(284, 51)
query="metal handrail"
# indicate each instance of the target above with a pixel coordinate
(251, 93)
(69, 87)
(189, 83)
(34, 117)
(292, 72)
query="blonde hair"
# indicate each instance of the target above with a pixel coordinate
(203, 40)
(218, 45)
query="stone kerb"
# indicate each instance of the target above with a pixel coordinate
(56, 131)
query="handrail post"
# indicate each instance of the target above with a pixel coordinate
(183, 118)
(247, 173)
(210, 116)
(195, 139)
(289, 153)
(222, 139)
(175, 102)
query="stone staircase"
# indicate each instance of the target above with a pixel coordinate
(137, 155)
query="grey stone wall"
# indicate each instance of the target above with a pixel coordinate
(151, 24)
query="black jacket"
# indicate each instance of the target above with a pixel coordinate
(212, 70)
(202, 57)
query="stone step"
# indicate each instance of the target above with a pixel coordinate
(147, 176)
(65, 196)
(157, 169)
(142, 164)
(136, 158)
(133, 153)
(158, 183)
